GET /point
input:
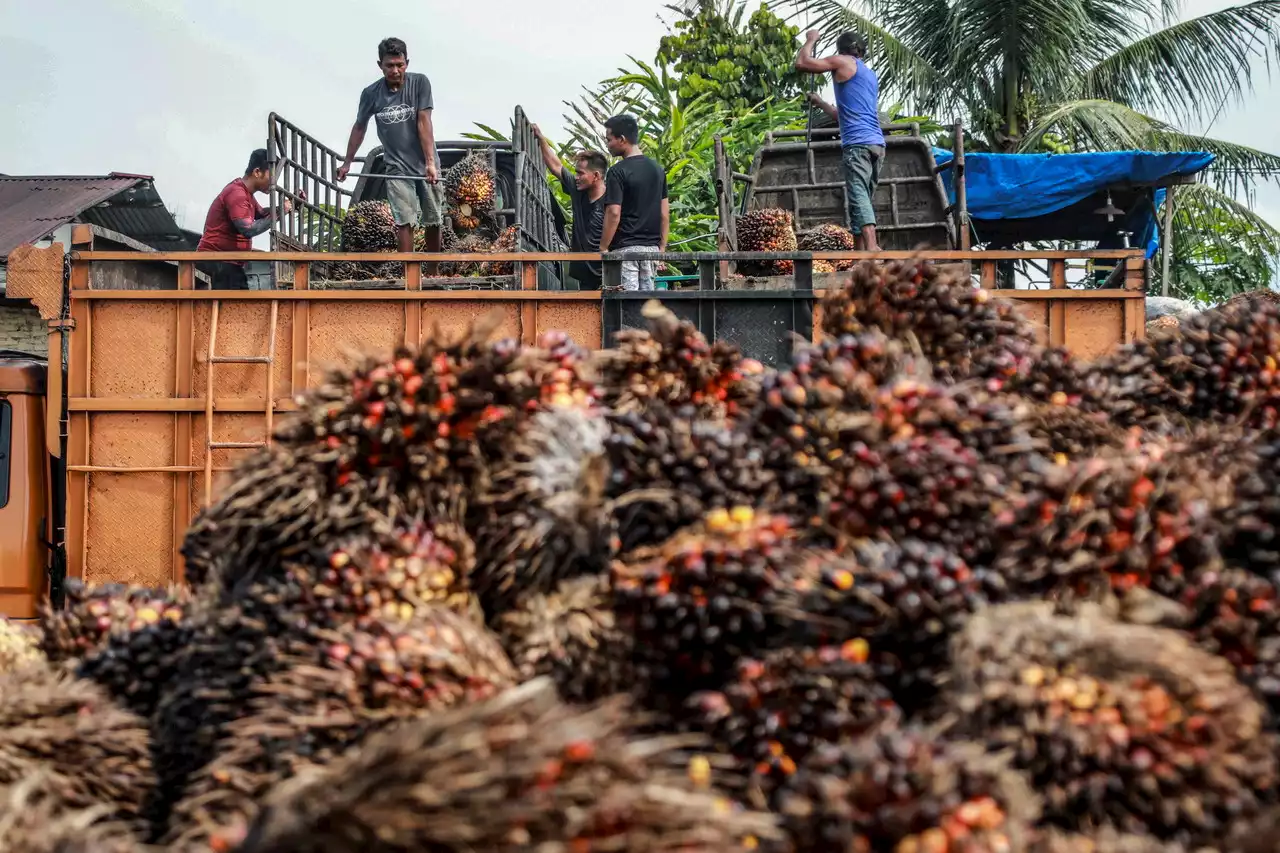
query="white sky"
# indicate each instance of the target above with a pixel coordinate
(181, 89)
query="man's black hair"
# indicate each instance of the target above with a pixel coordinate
(593, 160)
(624, 127)
(258, 160)
(392, 47)
(851, 44)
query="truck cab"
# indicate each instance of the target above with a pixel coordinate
(25, 507)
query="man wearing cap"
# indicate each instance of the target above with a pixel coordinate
(857, 111)
(234, 219)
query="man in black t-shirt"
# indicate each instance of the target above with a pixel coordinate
(584, 184)
(637, 216)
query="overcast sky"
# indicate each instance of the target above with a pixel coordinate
(181, 89)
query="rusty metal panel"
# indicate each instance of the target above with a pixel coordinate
(341, 332)
(581, 320)
(1094, 326)
(452, 319)
(133, 349)
(229, 427)
(242, 331)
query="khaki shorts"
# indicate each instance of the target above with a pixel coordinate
(416, 202)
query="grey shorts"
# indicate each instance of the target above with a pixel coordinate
(639, 274)
(861, 175)
(416, 202)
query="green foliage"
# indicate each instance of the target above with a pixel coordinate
(734, 64)
(316, 229)
(1220, 248)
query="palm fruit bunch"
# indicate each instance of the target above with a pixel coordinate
(571, 635)
(538, 516)
(508, 241)
(667, 469)
(368, 226)
(1116, 724)
(93, 613)
(1235, 615)
(1163, 325)
(322, 705)
(928, 462)
(233, 648)
(19, 646)
(824, 267)
(471, 188)
(1112, 522)
(31, 822)
(770, 229)
(86, 750)
(522, 771)
(388, 573)
(469, 244)
(775, 711)
(1055, 376)
(962, 331)
(828, 238)
(542, 517)
(717, 591)
(1066, 431)
(1102, 840)
(671, 362)
(907, 792)
(804, 411)
(135, 664)
(1217, 366)
(407, 437)
(908, 599)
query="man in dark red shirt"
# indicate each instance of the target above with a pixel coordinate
(234, 219)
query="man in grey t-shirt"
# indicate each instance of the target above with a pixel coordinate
(401, 105)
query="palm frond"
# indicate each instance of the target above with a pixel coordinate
(1192, 68)
(1206, 209)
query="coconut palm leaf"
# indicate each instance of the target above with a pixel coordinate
(1191, 68)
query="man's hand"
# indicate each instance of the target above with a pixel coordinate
(812, 97)
(812, 36)
(432, 173)
(537, 132)
(341, 174)
(288, 206)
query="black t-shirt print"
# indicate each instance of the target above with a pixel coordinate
(396, 115)
(639, 185)
(588, 225)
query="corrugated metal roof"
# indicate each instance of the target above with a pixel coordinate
(31, 207)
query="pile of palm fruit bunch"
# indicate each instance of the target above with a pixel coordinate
(827, 238)
(932, 587)
(769, 229)
(367, 227)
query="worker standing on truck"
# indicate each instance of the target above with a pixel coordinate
(234, 219)
(857, 112)
(401, 103)
(584, 184)
(637, 215)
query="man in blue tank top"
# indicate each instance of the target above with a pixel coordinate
(857, 111)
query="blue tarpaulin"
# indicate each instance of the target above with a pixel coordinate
(1024, 186)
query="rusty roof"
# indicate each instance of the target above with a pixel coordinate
(33, 206)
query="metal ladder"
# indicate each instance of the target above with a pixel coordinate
(213, 360)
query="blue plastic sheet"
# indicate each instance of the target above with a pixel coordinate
(1024, 186)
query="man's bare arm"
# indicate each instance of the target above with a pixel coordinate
(353, 147)
(809, 64)
(549, 156)
(817, 101)
(666, 224)
(612, 217)
(427, 136)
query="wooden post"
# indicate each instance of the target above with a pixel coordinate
(78, 385)
(184, 422)
(1166, 250)
(1057, 308)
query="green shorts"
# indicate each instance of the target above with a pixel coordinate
(416, 202)
(861, 175)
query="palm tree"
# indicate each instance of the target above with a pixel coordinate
(1076, 75)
